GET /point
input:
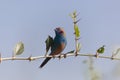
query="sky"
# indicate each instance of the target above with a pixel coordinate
(31, 21)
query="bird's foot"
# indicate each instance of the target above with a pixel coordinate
(53, 56)
(59, 56)
(65, 55)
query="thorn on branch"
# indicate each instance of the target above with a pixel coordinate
(77, 21)
(30, 58)
(76, 53)
(112, 57)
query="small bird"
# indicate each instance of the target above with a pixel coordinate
(100, 50)
(59, 44)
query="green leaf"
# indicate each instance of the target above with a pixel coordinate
(101, 50)
(49, 42)
(19, 48)
(117, 51)
(73, 15)
(71, 51)
(77, 32)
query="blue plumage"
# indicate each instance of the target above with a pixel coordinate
(59, 44)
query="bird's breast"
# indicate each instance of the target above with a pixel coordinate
(59, 49)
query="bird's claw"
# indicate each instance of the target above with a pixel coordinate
(59, 57)
(65, 55)
(53, 56)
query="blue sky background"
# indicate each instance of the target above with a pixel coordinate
(31, 21)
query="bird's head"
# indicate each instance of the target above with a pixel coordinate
(60, 31)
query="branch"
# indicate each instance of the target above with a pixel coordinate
(30, 58)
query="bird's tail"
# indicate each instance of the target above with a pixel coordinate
(45, 61)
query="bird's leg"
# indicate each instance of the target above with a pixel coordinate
(60, 56)
(53, 56)
(65, 55)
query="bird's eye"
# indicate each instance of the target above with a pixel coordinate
(58, 29)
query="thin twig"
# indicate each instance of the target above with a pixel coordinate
(56, 56)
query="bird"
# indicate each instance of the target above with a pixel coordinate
(59, 44)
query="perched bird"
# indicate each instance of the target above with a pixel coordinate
(59, 43)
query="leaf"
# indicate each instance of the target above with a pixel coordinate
(101, 50)
(79, 46)
(19, 48)
(73, 15)
(116, 52)
(77, 32)
(49, 42)
(71, 51)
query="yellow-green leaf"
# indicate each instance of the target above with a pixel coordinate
(77, 32)
(79, 46)
(19, 48)
(73, 15)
